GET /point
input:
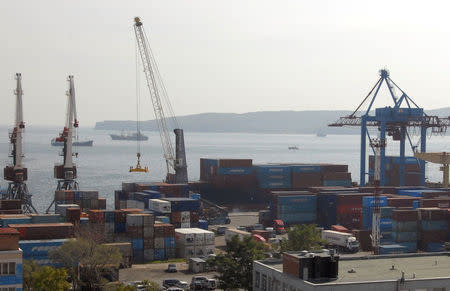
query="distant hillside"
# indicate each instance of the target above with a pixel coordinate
(306, 122)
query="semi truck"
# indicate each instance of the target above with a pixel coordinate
(341, 240)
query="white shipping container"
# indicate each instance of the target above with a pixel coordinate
(61, 208)
(199, 238)
(148, 219)
(185, 217)
(134, 219)
(200, 251)
(159, 205)
(185, 225)
(185, 252)
(229, 233)
(185, 236)
(209, 238)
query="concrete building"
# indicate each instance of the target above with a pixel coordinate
(10, 260)
(405, 272)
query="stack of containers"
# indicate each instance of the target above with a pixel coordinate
(348, 209)
(339, 206)
(433, 229)
(443, 203)
(133, 199)
(208, 168)
(97, 223)
(295, 207)
(45, 218)
(404, 228)
(140, 229)
(303, 176)
(6, 220)
(164, 242)
(386, 225)
(159, 206)
(61, 209)
(273, 176)
(184, 212)
(403, 201)
(392, 173)
(109, 225)
(232, 172)
(368, 203)
(40, 231)
(193, 242)
(85, 199)
(38, 250)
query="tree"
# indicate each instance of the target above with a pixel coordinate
(95, 260)
(44, 278)
(235, 267)
(302, 237)
(150, 285)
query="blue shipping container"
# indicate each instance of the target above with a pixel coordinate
(369, 201)
(385, 224)
(301, 217)
(203, 224)
(407, 236)
(306, 169)
(411, 246)
(429, 225)
(38, 248)
(326, 210)
(386, 211)
(183, 204)
(159, 254)
(435, 247)
(137, 243)
(401, 226)
(169, 242)
(277, 184)
(234, 171)
(343, 183)
(120, 227)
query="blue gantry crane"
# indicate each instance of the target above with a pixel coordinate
(392, 121)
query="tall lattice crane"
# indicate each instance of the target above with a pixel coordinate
(16, 173)
(175, 160)
(378, 145)
(66, 173)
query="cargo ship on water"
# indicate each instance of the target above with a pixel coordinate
(128, 136)
(87, 143)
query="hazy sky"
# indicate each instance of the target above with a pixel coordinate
(220, 56)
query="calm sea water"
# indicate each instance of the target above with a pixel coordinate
(104, 166)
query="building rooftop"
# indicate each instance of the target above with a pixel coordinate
(379, 268)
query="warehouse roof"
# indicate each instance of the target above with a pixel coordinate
(422, 266)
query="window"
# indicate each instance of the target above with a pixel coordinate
(4, 268)
(7, 269)
(12, 268)
(257, 278)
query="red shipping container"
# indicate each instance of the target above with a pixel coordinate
(402, 202)
(305, 180)
(44, 230)
(432, 214)
(440, 203)
(235, 163)
(334, 168)
(96, 216)
(101, 203)
(263, 233)
(337, 176)
(439, 195)
(73, 215)
(350, 220)
(405, 215)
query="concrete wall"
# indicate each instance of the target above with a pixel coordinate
(277, 281)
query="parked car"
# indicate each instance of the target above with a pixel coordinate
(202, 283)
(221, 230)
(170, 283)
(174, 289)
(183, 285)
(171, 268)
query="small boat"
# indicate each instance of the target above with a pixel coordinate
(87, 143)
(293, 148)
(133, 136)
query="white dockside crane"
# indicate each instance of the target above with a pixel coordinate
(175, 160)
(66, 173)
(16, 173)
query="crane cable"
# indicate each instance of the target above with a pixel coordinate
(161, 84)
(138, 97)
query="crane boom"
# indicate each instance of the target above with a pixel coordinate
(19, 124)
(175, 162)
